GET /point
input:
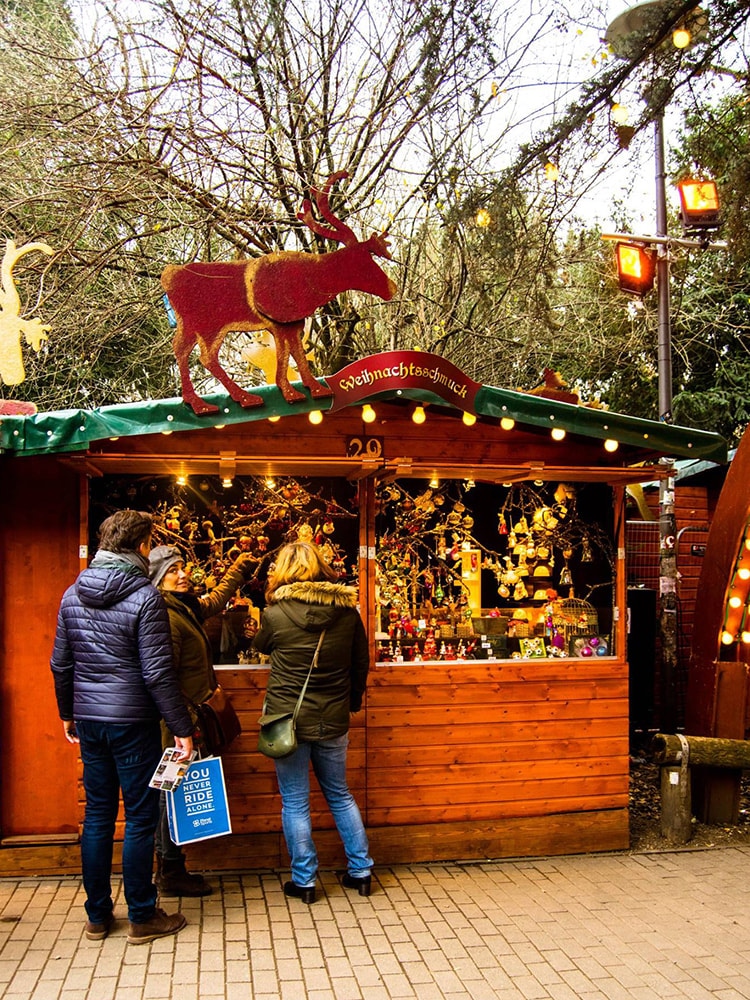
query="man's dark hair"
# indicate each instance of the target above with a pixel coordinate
(125, 531)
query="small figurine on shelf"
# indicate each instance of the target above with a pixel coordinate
(549, 627)
(430, 647)
(557, 642)
(443, 651)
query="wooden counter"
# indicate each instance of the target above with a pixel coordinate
(454, 760)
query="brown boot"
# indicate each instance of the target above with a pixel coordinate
(160, 925)
(172, 879)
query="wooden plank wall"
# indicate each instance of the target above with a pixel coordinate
(479, 759)
(513, 758)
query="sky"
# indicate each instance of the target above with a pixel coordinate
(541, 80)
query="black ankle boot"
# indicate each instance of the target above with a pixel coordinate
(172, 879)
(362, 885)
(304, 892)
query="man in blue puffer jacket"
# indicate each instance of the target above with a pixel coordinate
(114, 681)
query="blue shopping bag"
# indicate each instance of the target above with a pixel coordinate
(198, 808)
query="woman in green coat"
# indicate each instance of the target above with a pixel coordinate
(197, 678)
(304, 600)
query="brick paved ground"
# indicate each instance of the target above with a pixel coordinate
(623, 926)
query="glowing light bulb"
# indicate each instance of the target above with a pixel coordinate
(620, 114)
(727, 638)
(483, 218)
(735, 601)
(419, 416)
(681, 38)
(744, 573)
(468, 418)
(507, 423)
(611, 445)
(558, 433)
(315, 417)
(273, 420)
(745, 636)
(368, 414)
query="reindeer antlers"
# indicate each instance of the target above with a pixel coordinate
(339, 231)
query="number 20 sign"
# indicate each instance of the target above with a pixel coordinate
(364, 447)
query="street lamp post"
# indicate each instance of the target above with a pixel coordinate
(620, 30)
(667, 519)
(664, 356)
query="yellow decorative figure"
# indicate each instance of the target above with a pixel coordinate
(12, 326)
(261, 354)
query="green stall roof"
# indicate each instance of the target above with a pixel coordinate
(64, 431)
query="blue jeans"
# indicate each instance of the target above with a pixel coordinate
(329, 764)
(118, 757)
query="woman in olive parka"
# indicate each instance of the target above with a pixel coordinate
(303, 600)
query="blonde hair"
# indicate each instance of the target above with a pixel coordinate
(297, 561)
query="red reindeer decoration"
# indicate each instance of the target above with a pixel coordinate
(276, 293)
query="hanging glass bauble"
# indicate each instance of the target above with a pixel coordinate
(586, 553)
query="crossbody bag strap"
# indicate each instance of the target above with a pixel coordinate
(313, 664)
(309, 672)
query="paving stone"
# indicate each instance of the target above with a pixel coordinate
(590, 927)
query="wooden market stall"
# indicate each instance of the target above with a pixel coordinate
(488, 547)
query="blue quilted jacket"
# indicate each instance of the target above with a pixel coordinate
(112, 658)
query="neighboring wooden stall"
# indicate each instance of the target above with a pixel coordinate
(718, 695)
(502, 749)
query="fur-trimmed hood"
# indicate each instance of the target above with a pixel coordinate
(318, 592)
(314, 604)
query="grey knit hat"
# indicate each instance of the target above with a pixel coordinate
(162, 558)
